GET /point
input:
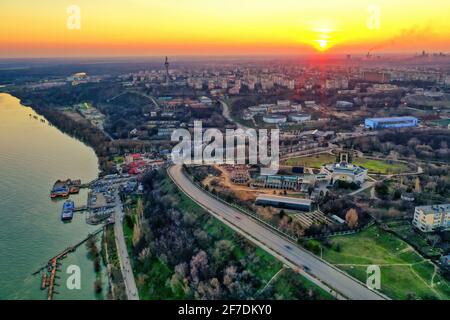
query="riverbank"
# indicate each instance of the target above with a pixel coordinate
(34, 155)
(70, 121)
(106, 149)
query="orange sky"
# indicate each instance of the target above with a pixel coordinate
(211, 27)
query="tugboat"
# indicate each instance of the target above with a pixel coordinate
(60, 189)
(60, 192)
(63, 188)
(67, 210)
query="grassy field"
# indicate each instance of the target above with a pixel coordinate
(441, 122)
(406, 230)
(315, 161)
(285, 286)
(404, 273)
(379, 166)
(374, 166)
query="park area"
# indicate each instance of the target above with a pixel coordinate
(373, 165)
(418, 240)
(404, 273)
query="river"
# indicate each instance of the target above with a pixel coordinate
(33, 155)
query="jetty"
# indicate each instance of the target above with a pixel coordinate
(80, 208)
(50, 270)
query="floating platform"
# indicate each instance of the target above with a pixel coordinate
(63, 188)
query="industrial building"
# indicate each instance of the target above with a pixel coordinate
(284, 182)
(205, 100)
(299, 117)
(430, 218)
(392, 122)
(283, 103)
(344, 105)
(284, 202)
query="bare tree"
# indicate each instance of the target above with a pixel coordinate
(352, 218)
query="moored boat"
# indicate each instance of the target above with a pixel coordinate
(63, 188)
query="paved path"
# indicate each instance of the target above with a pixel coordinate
(366, 185)
(316, 269)
(122, 252)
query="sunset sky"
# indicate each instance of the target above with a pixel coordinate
(32, 28)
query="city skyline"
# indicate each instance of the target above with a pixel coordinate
(230, 27)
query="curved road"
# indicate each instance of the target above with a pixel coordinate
(285, 250)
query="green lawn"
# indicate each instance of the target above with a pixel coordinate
(379, 166)
(315, 161)
(405, 229)
(285, 288)
(374, 166)
(404, 273)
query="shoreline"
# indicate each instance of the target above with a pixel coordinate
(32, 164)
(114, 287)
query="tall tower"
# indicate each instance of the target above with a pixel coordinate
(166, 65)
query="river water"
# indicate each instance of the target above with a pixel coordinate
(33, 155)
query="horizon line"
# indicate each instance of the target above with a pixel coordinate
(248, 55)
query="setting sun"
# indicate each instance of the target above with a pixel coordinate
(323, 44)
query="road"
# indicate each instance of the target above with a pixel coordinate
(287, 251)
(122, 252)
(136, 92)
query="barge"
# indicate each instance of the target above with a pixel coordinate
(63, 188)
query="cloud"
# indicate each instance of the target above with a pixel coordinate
(406, 36)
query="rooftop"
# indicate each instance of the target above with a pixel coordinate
(266, 197)
(436, 208)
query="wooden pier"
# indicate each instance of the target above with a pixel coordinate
(51, 268)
